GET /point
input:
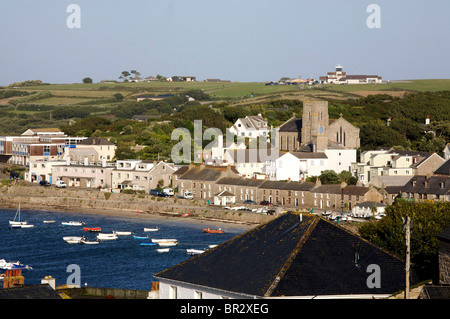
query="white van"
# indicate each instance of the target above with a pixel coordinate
(168, 191)
(60, 184)
(188, 195)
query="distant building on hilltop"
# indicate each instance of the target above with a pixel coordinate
(341, 77)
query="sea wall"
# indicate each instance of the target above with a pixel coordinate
(73, 199)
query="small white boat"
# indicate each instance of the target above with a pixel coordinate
(26, 226)
(151, 229)
(13, 265)
(167, 243)
(163, 250)
(193, 252)
(73, 239)
(17, 222)
(48, 221)
(88, 242)
(72, 223)
(164, 240)
(122, 233)
(107, 236)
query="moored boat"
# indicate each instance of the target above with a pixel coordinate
(73, 239)
(92, 229)
(106, 236)
(17, 221)
(163, 250)
(193, 252)
(122, 233)
(89, 242)
(147, 244)
(8, 265)
(213, 231)
(48, 221)
(167, 243)
(140, 237)
(151, 229)
(72, 223)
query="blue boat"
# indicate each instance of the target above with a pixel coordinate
(148, 244)
(138, 237)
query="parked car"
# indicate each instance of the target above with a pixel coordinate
(45, 183)
(265, 203)
(155, 192)
(60, 184)
(248, 201)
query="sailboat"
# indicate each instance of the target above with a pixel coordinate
(16, 223)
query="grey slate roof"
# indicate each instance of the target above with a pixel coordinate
(437, 185)
(30, 292)
(292, 125)
(444, 169)
(286, 257)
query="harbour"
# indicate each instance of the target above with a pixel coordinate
(121, 263)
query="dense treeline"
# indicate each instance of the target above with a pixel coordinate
(428, 220)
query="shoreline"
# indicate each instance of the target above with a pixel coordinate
(142, 215)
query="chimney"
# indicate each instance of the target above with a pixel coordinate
(86, 161)
(67, 161)
(318, 182)
(48, 280)
(13, 277)
(103, 162)
(427, 120)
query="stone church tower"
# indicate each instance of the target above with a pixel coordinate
(317, 130)
(315, 124)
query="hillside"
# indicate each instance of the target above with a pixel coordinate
(75, 109)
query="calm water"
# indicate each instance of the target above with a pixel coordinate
(121, 263)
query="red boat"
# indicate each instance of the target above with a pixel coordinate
(213, 231)
(92, 229)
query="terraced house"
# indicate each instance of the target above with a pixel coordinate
(207, 181)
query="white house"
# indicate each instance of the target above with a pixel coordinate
(297, 166)
(340, 159)
(447, 151)
(251, 127)
(251, 162)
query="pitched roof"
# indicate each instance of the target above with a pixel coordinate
(239, 181)
(289, 257)
(206, 172)
(281, 185)
(436, 185)
(292, 125)
(95, 141)
(30, 292)
(444, 169)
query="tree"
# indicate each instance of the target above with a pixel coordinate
(124, 76)
(87, 80)
(429, 219)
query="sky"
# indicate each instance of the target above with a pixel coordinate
(245, 40)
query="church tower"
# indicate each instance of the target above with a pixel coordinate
(315, 124)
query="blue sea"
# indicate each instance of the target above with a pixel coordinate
(121, 263)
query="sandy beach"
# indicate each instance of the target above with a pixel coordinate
(143, 215)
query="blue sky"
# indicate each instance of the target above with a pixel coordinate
(247, 40)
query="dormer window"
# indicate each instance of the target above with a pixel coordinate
(414, 183)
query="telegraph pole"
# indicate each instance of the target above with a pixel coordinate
(408, 256)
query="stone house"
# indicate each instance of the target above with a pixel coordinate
(85, 176)
(292, 194)
(427, 188)
(201, 180)
(242, 188)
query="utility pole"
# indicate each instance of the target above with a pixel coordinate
(408, 256)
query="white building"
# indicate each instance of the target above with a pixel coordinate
(251, 127)
(297, 166)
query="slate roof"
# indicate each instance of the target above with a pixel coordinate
(292, 125)
(95, 141)
(238, 181)
(281, 185)
(30, 292)
(445, 235)
(286, 257)
(444, 169)
(437, 185)
(206, 173)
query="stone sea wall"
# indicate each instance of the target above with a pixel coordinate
(72, 199)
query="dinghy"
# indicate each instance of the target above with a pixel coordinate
(151, 229)
(106, 237)
(122, 233)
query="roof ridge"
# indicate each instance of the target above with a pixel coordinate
(293, 254)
